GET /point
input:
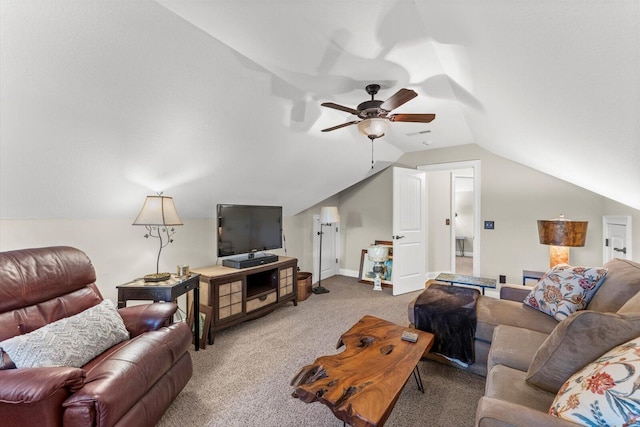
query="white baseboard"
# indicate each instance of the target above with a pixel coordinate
(349, 273)
(467, 254)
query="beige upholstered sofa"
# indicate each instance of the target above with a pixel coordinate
(527, 355)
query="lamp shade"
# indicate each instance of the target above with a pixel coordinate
(158, 210)
(562, 232)
(329, 215)
(374, 127)
(378, 253)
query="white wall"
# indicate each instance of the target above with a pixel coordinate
(513, 195)
(438, 212)
(366, 213)
(120, 253)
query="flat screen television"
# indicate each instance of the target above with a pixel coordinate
(244, 229)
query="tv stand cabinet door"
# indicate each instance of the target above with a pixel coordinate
(227, 299)
(286, 282)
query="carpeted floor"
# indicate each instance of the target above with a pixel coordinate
(464, 265)
(243, 379)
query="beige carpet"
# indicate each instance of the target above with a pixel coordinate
(243, 379)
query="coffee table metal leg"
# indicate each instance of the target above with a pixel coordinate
(416, 375)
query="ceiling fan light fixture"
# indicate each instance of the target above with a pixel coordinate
(373, 127)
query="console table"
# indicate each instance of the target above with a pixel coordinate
(531, 275)
(167, 290)
(239, 294)
(461, 279)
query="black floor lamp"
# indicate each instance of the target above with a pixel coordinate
(328, 216)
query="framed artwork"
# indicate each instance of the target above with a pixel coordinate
(206, 312)
(366, 274)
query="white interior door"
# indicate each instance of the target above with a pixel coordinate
(616, 238)
(409, 234)
(330, 249)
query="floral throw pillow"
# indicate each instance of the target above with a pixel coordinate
(604, 392)
(565, 289)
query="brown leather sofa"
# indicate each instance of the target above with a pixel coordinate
(131, 383)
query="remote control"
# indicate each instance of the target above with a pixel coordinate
(410, 336)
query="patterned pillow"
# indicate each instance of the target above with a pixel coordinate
(604, 392)
(565, 289)
(71, 341)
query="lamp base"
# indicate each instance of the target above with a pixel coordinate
(320, 290)
(157, 277)
(558, 255)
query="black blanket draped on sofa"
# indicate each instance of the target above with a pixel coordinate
(449, 313)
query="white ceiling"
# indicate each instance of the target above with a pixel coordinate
(104, 102)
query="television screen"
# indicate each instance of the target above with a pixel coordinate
(244, 229)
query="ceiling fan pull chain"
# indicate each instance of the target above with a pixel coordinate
(371, 153)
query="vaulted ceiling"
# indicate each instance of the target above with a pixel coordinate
(104, 102)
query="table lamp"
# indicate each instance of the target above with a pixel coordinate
(158, 214)
(378, 254)
(560, 234)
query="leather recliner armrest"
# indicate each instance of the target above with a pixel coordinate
(147, 317)
(29, 385)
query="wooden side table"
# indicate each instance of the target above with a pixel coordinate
(167, 290)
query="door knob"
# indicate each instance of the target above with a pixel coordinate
(398, 237)
(623, 250)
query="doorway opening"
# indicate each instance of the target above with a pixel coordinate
(462, 195)
(453, 219)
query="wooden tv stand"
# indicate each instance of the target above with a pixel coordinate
(236, 295)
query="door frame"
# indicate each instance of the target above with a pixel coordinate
(620, 220)
(477, 180)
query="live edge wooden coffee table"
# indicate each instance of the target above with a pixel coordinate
(362, 384)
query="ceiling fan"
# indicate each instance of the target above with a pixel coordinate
(374, 114)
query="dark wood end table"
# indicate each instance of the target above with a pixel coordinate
(167, 290)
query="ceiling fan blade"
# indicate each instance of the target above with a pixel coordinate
(415, 118)
(399, 98)
(340, 126)
(340, 107)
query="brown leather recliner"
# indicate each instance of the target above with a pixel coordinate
(131, 383)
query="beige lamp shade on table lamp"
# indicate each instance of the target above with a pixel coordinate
(158, 210)
(158, 215)
(560, 234)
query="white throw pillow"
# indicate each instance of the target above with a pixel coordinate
(565, 289)
(71, 341)
(605, 392)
